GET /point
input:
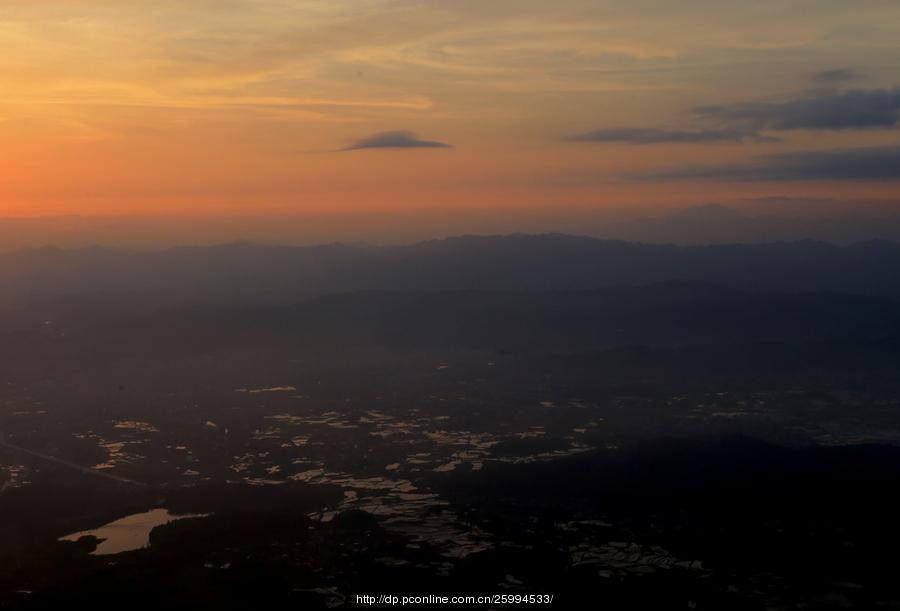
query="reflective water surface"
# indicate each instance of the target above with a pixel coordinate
(128, 533)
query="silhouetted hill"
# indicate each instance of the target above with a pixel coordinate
(732, 500)
(702, 474)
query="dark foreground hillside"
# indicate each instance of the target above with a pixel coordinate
(705, 523)
(678, 445)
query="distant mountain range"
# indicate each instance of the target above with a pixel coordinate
(760, 220)
(247, 273)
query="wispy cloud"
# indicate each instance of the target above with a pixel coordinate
(394, 140)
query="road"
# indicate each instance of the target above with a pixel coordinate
(66, 463)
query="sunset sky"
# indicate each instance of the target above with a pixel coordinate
(142, 107)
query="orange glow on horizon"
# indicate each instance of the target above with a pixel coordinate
(136, 108)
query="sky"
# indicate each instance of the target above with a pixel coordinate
(353, 108)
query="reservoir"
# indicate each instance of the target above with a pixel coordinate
(129, 533)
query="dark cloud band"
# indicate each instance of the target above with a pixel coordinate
(860, 164)
(636, 135)
(835, 76)
(852, 109)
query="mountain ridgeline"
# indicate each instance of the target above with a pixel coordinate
(248, 273)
